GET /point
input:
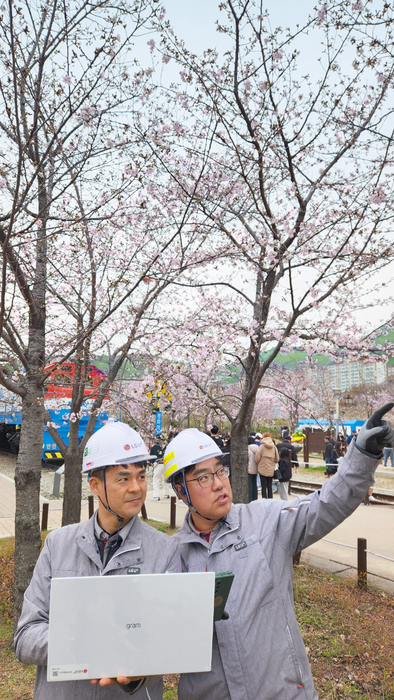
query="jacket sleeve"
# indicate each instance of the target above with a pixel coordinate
(306, 520)
(31, 637)
(258, 454)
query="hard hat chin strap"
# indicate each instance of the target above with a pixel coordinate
(106, 498)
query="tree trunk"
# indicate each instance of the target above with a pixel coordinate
(239, 462)
(72, 479)
(28, 468)
(27, 487)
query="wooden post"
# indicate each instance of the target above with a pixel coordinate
(44, 519)
(91, 505)
(144, 513)
(306, 448)
(362, 561)
(173, 512)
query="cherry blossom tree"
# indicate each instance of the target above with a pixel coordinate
(296, 180)
(80, 244)
(365, 399)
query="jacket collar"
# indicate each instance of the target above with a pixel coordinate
(187, 533)
(86, 540)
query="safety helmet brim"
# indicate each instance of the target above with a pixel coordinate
(135, 460)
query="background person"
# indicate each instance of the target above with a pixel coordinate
(388, 452)
(327, 452)
(252, 470)
(287, 457)
(257, 541)
(157, 450)
(214, 433)
(336, 457)
(267, 457)
(115, 459)
(350, 437)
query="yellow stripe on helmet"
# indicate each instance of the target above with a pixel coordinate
(171, 455)
(170, 470)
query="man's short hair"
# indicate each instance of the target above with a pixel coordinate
(215, 429)
(178, 478)
(100, 472)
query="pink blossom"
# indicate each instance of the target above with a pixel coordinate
(151, 44)
(67, 80)
(178, 128)
(379, 196)
(87, 113)
(165, 58)
(133, 172)
(322, 13)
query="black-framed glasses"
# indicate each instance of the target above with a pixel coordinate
(206, 480)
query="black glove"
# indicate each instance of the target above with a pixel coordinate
(376, 433)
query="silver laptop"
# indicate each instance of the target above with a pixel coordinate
(141, 625)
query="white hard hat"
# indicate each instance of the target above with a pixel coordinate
(114, 443)
(189, 447)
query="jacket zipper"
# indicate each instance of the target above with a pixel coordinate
(124, 551)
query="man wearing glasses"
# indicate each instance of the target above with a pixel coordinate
(258, 651)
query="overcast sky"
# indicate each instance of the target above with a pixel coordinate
(194, 22)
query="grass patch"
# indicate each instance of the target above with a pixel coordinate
(162, 527)
(306, 470)
(347, 633)
(348, 636)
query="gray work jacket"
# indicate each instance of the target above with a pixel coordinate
(258, 653)
(73, 551)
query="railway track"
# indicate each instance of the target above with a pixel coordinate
(297, 487)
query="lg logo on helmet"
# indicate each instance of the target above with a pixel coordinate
(133, 625)
(132, 447)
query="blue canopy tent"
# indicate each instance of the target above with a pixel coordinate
(349, 425)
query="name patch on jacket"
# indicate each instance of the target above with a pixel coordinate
(134, 570)
(240, 545)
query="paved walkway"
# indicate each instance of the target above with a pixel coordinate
(157, 510)
(7, 508)
(337, 552)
